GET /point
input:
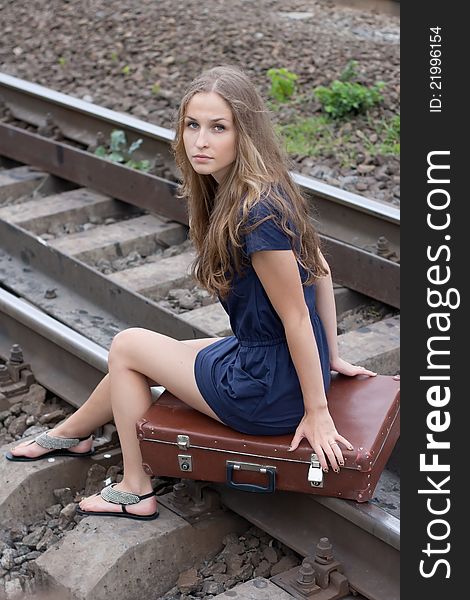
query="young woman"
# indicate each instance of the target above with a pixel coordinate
(258, 253)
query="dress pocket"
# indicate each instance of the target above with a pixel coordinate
(249, 376)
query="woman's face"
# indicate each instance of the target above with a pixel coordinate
(209, 135)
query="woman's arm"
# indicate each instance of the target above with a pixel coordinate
(279, 274)
(326, 309)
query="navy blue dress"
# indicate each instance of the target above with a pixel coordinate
(249, 379)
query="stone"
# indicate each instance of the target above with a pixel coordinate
(234, 563)
(220, 578)
(4, 414)
(8, 420)
(95, 480)
(213, 569)
(271, 555)
(252, 542)
(34, 537)
(35, 430)
(232, 548)
(32, 403)
(255, 558)
(17, 530)
(8, 558)
(67, 514)
(55, 415)
(286, 563)
(21, 548)
(212, 587)
(47, 541)
(32, 555)
(263, 569)
(18, 426)
(53, 523)
(365, 169)
(13, 589)
(15, 409)
(113, 472)
(54, 510)
(63, 495)
(188, 581)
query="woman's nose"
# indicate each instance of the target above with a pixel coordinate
(201, 140)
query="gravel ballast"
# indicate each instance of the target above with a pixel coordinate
(138, 58)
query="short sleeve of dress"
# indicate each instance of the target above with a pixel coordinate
(266, 236)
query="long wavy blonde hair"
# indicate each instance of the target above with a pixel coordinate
(218, 212)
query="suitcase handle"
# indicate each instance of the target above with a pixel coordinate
(251, 487)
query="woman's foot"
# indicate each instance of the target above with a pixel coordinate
(33, 450)
(145, 507)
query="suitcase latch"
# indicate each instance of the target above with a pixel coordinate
(185, 462)
(315, 472)
(182, 442)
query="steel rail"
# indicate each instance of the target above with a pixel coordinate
(62, 360)
(365, 538)
(351, 266)
(343, 215)
(98, 307)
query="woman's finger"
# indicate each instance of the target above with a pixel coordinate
(344, 441)
(365, 371)
(338, 454)
(321, 456)
(295, 441)
(331, 455)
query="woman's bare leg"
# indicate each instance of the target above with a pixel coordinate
(136, 355)
(94, 413)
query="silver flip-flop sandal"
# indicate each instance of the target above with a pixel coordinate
(57, 445)
(124, 499)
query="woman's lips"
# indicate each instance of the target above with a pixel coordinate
(202, 158)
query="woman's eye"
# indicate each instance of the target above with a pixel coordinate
(191, 123)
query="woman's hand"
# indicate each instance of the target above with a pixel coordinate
(342, 366)
(319, 430)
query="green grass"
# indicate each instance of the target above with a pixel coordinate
(391, 143)
(319, 136)
(312, 136)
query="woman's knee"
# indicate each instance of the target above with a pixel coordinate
(122, 344)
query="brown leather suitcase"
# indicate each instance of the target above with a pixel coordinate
(178, 441)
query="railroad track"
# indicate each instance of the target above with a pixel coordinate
(365, 537)
(93, 248)
(360, 235)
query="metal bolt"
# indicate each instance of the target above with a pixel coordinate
(16, 354)
(180, 492)
(383, 248)
(50, 293)
(4, 374)
(306, 573)
(324, 551)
